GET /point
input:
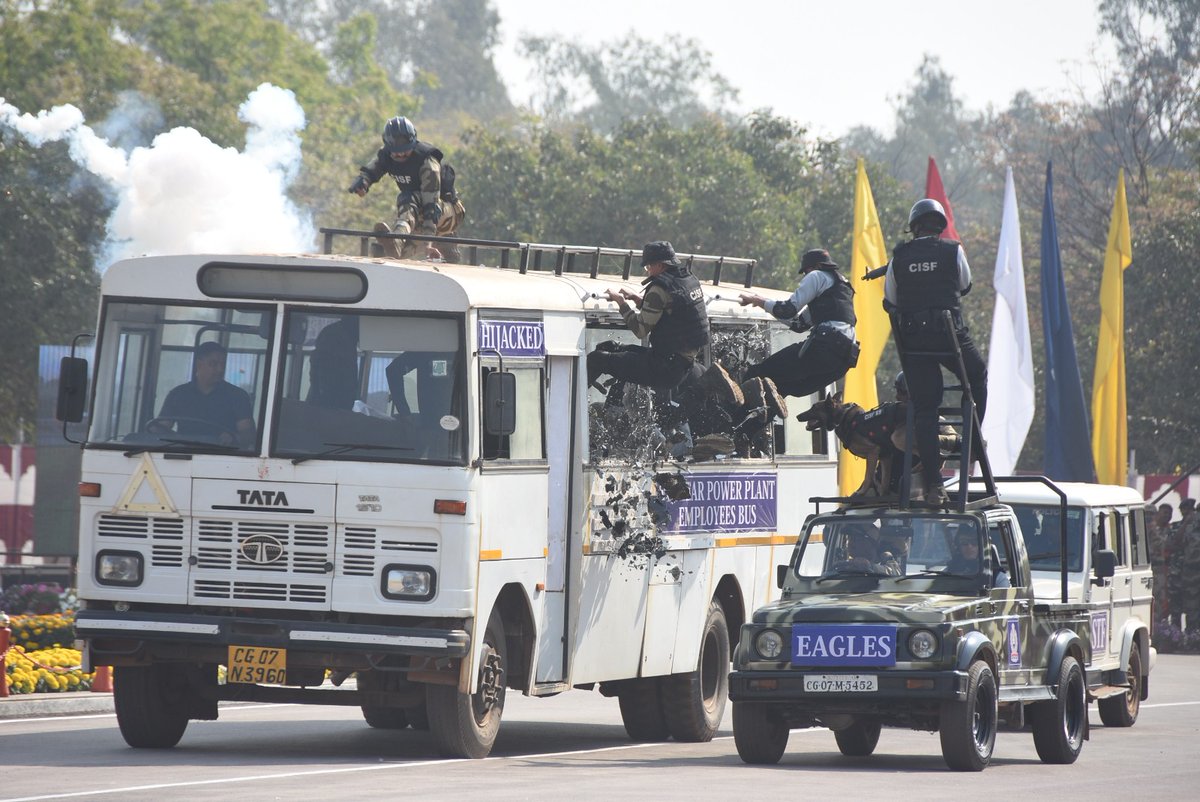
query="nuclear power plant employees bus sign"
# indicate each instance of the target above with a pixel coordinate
(726, 502)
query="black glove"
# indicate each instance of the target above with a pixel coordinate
(432, 213)
(360, 185)
(801, 322)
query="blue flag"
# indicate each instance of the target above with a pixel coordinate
(1068, 455)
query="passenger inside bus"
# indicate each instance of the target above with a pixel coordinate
(208, 407)
(333, 371)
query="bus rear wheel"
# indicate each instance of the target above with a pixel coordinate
(642, 710)
(694, 703)
(466, 725)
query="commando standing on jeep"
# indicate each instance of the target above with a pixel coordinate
(427, 203)
(926, 276)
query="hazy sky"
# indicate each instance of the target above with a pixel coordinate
(836, 64)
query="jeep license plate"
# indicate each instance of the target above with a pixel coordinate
(841, 683)
(256, 664)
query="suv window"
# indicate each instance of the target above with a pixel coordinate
(1137, 538)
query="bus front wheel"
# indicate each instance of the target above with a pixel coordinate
(466, 725)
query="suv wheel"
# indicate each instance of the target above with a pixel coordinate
(968, 728)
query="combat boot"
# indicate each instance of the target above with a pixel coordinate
(717, 380)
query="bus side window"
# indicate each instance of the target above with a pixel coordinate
(528, 442)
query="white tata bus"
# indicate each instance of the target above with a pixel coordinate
(417, 490)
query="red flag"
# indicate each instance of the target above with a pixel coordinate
(935, 190)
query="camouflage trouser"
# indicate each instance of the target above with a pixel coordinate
(409, 220)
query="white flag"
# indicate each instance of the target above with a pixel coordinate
(1010, 364)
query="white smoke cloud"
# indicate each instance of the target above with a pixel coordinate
(185, 194)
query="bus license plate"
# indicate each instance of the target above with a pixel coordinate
(256, 664)
(841, 683)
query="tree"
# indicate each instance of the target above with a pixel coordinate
(634, 77)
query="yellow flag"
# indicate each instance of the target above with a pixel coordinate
(873, 327)
(1110, 441)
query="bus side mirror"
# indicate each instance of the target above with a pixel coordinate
(500, 403)
(1104, 565)
(780, 575)
(72, 389)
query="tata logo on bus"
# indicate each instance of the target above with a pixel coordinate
(262, 549)
(262, 498)
(512, 337)
(843, 645)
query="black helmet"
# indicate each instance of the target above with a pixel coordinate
(901, 384)
(399, 134)
(930, 214)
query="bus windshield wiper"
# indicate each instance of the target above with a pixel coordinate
(179, 441)
(342, 448)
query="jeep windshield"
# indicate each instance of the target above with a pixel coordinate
(384, 387)
(188, 378)
(891, 550)
(1041, 527)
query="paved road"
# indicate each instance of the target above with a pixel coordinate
(573, 746)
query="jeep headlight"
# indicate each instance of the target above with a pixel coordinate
(922, 644)
(409, 582)
(768, 644)
(119, 568)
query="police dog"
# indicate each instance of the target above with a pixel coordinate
(876, 435)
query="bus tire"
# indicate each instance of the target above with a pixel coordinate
(151, 712)
(466, 725)
(968, 728)
(642, 710)
(694, 703)
(759, 735)
(418, 717)
(1122, 711)
(1060, 725)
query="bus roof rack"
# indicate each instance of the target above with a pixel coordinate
(526, 256)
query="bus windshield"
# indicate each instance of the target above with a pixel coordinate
(181, 377)
(371, 386)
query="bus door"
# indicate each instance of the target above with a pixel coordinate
(562, 456)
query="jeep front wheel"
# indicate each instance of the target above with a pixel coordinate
(968, 728)
(1060, 726)
(759, 734)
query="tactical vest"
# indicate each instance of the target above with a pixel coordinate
(926, 274)
(408, 171)
(836, 303)
(684, 327)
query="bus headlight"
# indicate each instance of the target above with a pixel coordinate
(122, 568)
(922, 644)
(409, 582)
(768, 644)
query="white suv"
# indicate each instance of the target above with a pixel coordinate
(1099, 518)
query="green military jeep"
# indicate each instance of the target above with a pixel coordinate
(913, 618)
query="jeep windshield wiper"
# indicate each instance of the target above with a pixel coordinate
(929, 572)
(342, 448)
(849, 572)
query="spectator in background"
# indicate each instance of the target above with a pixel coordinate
(1158, 531)
(1179, 574)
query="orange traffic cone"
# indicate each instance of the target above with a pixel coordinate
(102, 681)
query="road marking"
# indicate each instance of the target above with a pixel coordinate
(346, 770)
(1170, 704)
(224, 709)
